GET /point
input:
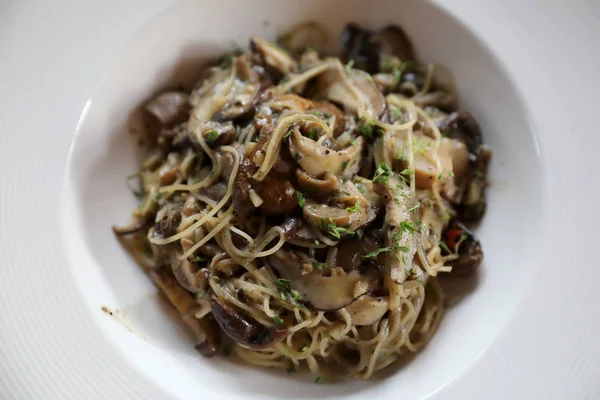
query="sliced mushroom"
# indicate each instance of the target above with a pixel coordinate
(278, 195)
(402, 243)
(325, 109)
(242, 328)
(168, 108)
(458, 153)
(327, 293)
(462, 242)
(244, 92)
(316, 159)
(323, 215)
(169, 219)
(273, 56)
(424, 150)
(241, 188)
(463, 126)
(215, 192)
(367, 310)
(370, 49)
(205, 331)
(291, 226)
(323, 187)
(356, 91)
(304, 36)
(189, 276)
(133, 226)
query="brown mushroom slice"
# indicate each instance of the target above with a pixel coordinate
(356, 91)
(366, 188)
(322, 188)
(186, 305)
(367, 310)
(278, 195)
(424, 151)
(323, 215)
(169, 108)
(459, 155)
(326, 108)
(462, 126)
(391, 41)
(328, 293)
(317, 160)
(273, 56)
(242, 328)
(210, 97)
(191, 278)
(304, 36)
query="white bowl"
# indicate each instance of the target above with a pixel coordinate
(526, 330)
(170, 50)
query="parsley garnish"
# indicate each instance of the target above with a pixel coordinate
(382, 173)
(366, 128)
(212, 136)
(288, 133)
(318, 266)
(282, 284)
(414, 208)
(356, 207)
(353, 142)
(349, 66)
(199, 259)
(361, 188)
(278, 320)
(478, 174)
(298, 156)
(304, 349)
(313, 134)
(461, 238)
(301, 199)
(337, 231)
(319, 379)
(407, 226)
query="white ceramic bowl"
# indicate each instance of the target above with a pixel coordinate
(171, 49)
(524, 330)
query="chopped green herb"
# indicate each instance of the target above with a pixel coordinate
(277, 319)
(344, 165)
(199, 259)
(212, 136)
(345, 192)
(317, 242)
(282, 297)
(461, 238)
(295, 295)
(337, 231)
(414, 208)
(200, 294)
(397, 114)
(382, 173)
(407, 226)
(396, 75)
(356, 207)
(298, 156)
(353, 142)
(313, 134)
(282, 284)
(375, 253)
(301, 199)
(287, 352)
(288, 133)
(304, 349)
(349, 66)
(478, 174)
(318, 266)
(361, 188)
(366, 128)
(407, 171)
(444, 246)
(319, 379)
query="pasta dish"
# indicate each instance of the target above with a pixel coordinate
(298, 205)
